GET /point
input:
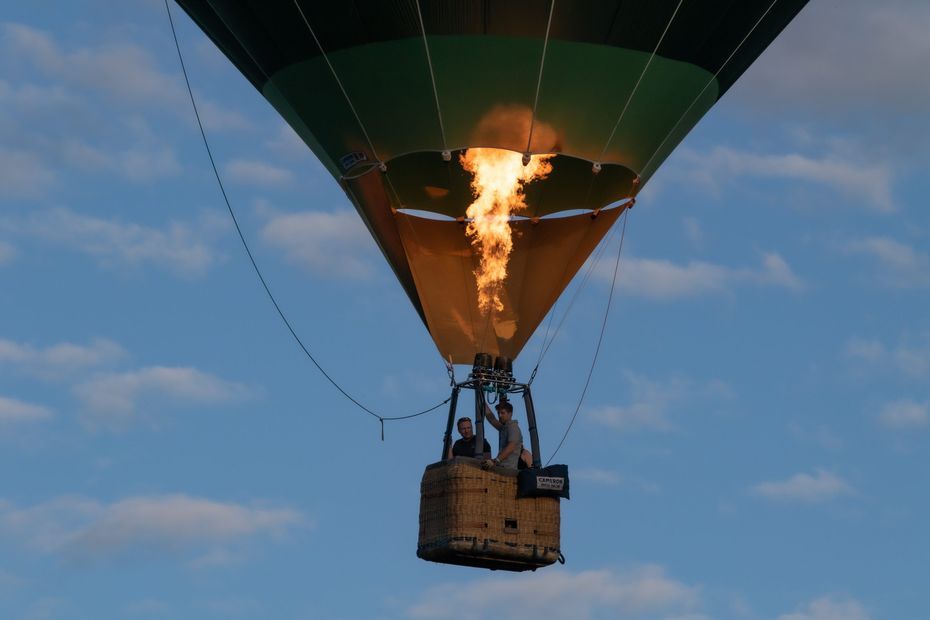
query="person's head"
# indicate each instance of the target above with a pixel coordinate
(504, 411)
(465, 429)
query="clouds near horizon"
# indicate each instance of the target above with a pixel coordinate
(261, 173)
(820, 487)
(13, 411)
(334, 244)
(638, 593)
(83, 528)
(867, 184)
(841, 58)
(114, 398)
(119, 70)
(89, 109)
(7, 252)
(911, 356)
(663, 280)
(896, 264)
(182, 248)
(829, 608)
(58, 359)
(905, 414)
(653, 404)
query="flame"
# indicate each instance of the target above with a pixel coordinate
(499, 177)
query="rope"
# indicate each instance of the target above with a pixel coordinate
(363, 170)
(432, 77)
(641, 76)
(248, 252)
(600, 339)
(542, 345)
(592, 265)
(706, 86)
(338, 82)
(542, 63)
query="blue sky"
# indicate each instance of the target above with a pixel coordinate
(754, 444)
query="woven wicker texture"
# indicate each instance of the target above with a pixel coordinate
(471, 516)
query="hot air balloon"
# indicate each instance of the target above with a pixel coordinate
(398, 98)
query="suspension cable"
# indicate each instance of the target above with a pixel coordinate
(542, 64)
(641, 76)
(576, 294)
(252, 260)
(432, 77)
(600, 339)
(332, 69)
(645, 167)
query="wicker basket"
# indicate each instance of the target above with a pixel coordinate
(472, 517)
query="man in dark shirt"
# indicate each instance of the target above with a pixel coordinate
(466, 445)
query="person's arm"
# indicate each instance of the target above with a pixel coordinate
(515, 440)
(490, 417)
(507, 451)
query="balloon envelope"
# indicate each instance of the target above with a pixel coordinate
(380, 90)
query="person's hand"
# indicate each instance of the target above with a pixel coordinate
(487, 464)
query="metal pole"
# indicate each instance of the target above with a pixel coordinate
(531, 421)
(479, 421)
(447, 439)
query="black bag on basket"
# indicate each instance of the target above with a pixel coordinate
(549, 481)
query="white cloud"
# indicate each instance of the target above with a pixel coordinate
(693, 231)
(61, 358)
(643, 415)
(838, 57)
(125, 71)
(821, 435)
(645, 592)
(653, 402)
(179, 248)
(28, 173)
(217, 118)
(822, 486)
(257, 173)
(81, 527)
(12, 411)
(147, 164)
(175, 521)
(10, 582)
(115, 397)
(868, 183)
(49, 525)
(900, 265)
(865, 349)
(334, 244)
(827, 608)
(22, 174)
(98, 91)
(146, 160)
(911, 356)
(31, 118)
(287, 144)
(905, 414)
(7, 251)
(664, 280)
(219, 557)
(597, 476)
(32, 96)
(611, 478)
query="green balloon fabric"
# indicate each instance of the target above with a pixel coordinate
(389, 93)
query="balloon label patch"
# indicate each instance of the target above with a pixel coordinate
(351, 159)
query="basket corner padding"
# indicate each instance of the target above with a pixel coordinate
(551, 481)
